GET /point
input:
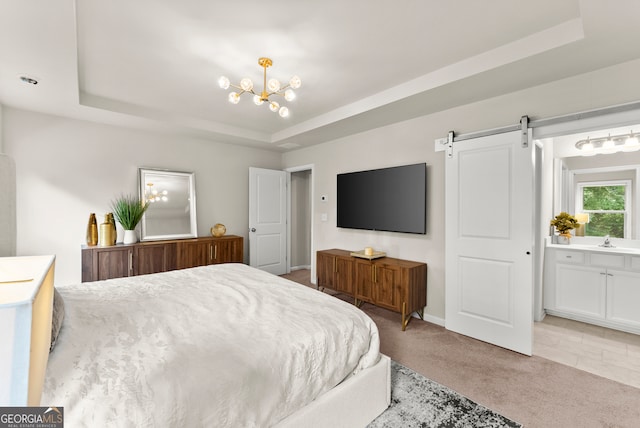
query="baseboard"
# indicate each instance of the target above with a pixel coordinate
(433, 320)
(308, 267)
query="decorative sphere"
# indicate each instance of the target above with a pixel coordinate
(246, 84)
(273, 85)
(218, 229)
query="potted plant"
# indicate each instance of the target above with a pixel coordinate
(564, 223)
(128, 211)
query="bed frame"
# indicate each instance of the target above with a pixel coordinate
(353, 403)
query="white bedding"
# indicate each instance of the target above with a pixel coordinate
(222, 345)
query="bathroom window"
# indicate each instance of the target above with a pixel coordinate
(608, 204)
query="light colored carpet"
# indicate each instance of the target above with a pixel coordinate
(531, 390)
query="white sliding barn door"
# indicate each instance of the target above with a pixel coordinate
(268, 220)
(489, 240)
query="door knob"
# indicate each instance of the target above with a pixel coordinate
(253, 229)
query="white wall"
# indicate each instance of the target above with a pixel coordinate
(67, 169)
(413, 141)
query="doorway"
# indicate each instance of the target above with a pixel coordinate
(585, 346)
(300, 225)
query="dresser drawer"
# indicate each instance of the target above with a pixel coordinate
(576, 257)
(607, 260)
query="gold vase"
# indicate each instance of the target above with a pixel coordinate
(92, 231)
(106, 232)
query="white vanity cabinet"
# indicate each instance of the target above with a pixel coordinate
(598, 287)
(581, 290)
(623, 297)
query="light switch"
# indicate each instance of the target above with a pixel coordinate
(323, 217)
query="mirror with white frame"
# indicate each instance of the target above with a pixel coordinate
(172, 204)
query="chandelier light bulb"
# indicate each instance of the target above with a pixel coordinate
(289, 95)
(587, 146)
(246, 84)
(632, 141)
(283, 112)
(224, 82)
(274, 106)
(295, 82)
(234, 98)
(273, 85)
(257, 100)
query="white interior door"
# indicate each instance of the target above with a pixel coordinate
(489, 241)
(268, 220)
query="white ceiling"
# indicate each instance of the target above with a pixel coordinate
(363, 63)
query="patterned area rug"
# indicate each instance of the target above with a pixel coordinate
(420, 402)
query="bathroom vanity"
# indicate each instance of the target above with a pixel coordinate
(593, 284)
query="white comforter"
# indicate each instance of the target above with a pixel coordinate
(223, 345)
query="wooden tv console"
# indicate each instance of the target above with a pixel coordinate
(398, 285)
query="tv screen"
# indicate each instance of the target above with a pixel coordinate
(388, 199)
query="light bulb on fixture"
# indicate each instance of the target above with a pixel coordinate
(295, 82)
(246, 84)
(289, 95)
(588, 146)
(631, 144)
(224, 82)
(271, 87)
(608, 145)
(234, 98)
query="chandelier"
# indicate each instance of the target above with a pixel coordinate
(153, 195)
(611, 144)
(272, 87)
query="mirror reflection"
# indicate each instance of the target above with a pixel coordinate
(172, 210)
(596, 175)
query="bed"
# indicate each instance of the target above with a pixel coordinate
(221, 345)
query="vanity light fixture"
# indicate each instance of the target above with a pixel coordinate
(269, 88)
(610, 144)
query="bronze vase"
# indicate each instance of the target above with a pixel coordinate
(92, 230)
(114, 231)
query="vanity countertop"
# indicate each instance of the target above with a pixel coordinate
(596, 248)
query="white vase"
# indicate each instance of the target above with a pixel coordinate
(130, 237)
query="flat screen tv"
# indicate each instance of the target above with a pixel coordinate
(388, 199)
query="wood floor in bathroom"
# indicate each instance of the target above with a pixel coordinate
(602, 351)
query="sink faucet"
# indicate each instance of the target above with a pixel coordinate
(607, 242)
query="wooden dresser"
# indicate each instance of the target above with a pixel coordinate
(121, 260)
(395, 284)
